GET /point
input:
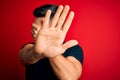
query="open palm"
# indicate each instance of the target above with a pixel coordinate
(50, 38)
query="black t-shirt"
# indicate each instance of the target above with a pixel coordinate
(42, 69)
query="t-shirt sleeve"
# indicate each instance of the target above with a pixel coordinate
(75, 51)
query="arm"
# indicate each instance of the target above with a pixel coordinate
(28, 56)
(66, 68)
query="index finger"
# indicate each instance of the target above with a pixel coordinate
(47, 18)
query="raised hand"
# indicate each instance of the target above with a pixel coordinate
(50, 38)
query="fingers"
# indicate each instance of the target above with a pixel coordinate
(47, 18)
(59, 19)
(56, 16)
(36, 27)
(62, 17)
(35, 30)
(34, 33)
(68, 22)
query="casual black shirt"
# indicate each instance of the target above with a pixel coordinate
(42, 69)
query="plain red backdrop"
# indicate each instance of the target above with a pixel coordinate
(96, 26)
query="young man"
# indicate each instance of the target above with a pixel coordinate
(49, 57)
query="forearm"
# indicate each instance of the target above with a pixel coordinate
(28, 56)
(64, 68)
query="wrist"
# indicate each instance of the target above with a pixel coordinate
(37, 55)
(55, 57)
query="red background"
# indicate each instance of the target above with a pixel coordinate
(96, 26)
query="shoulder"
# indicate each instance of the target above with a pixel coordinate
(77, 47)
(75, 51)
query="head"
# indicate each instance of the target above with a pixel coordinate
(39, 14)
(41, 11)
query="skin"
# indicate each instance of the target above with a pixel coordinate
(51, 34)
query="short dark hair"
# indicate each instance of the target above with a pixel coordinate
(41, 11)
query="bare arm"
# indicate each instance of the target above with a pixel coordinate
(66, 68)
(28, 56)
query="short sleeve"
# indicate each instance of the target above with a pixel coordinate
(75, 51)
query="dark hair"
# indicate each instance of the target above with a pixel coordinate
(41, 11)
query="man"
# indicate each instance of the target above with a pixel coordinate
(49, 57)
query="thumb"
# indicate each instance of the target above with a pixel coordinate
(69, 44)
